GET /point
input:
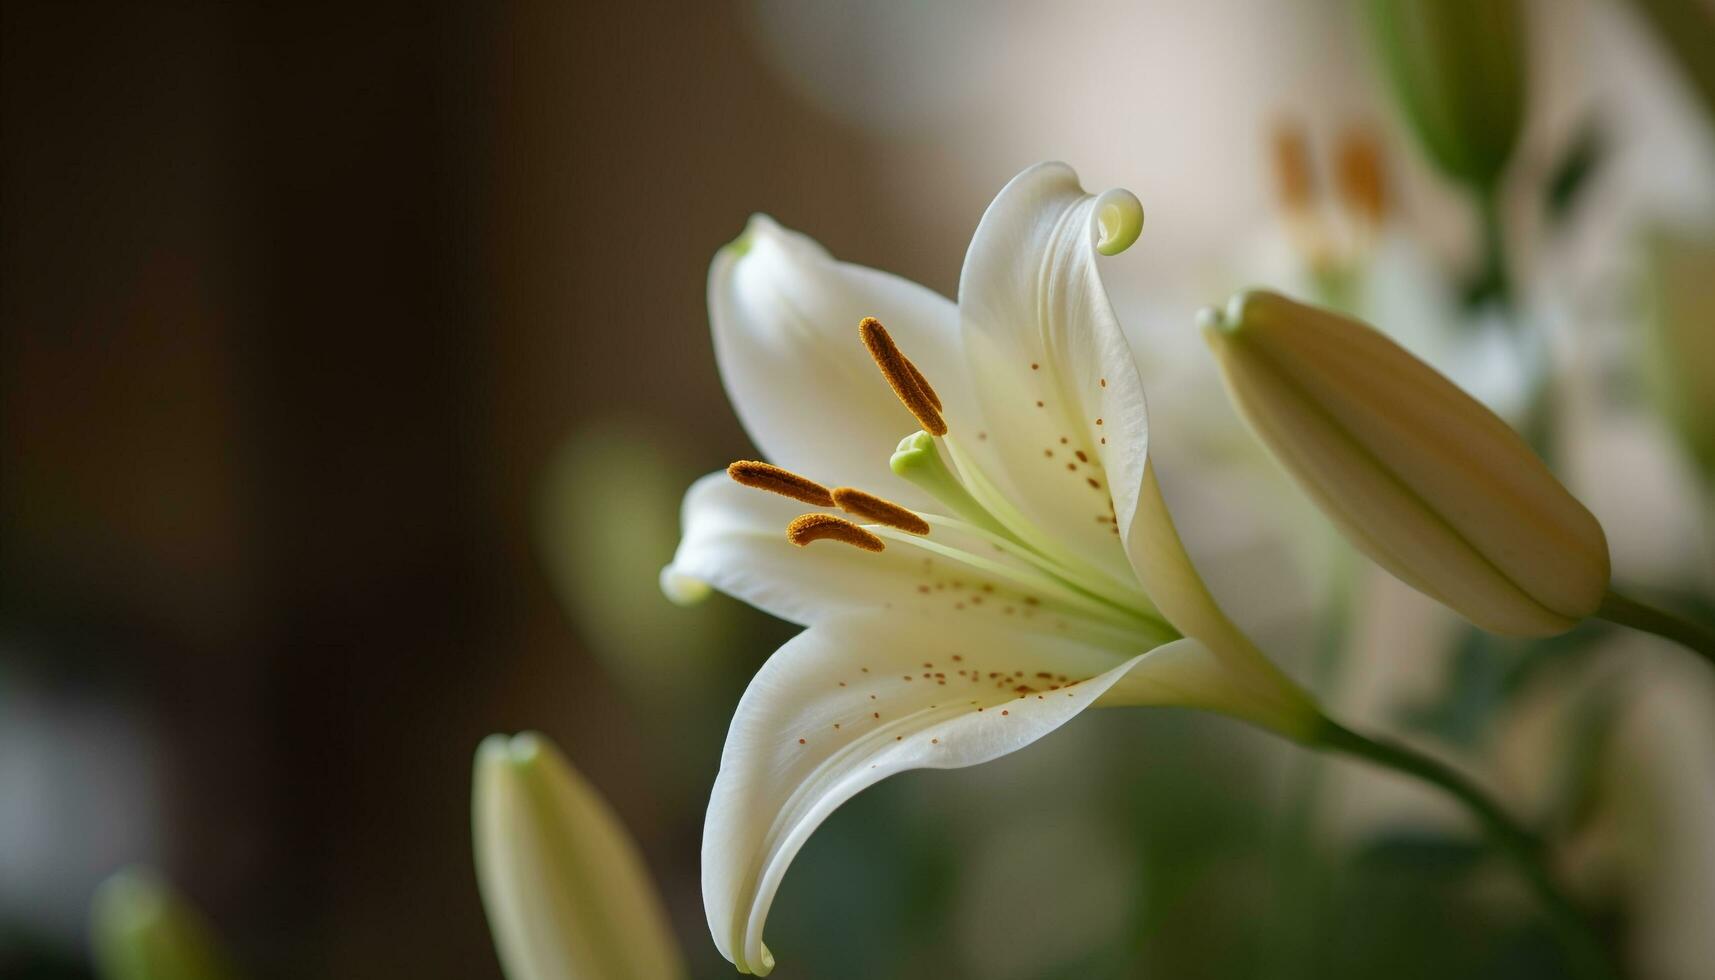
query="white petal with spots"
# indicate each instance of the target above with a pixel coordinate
(860, 697)
(785, 317)
(1067, 430)
(735, 540)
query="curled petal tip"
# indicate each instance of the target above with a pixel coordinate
(1119, 220)
(681, 589)
(759, 224)
(739, 247)
(762, 968)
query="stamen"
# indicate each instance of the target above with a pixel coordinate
(1294, 185)
(902, 376)
(1360, 175)
(923, 384)
(767, 476)
(872, 508)
(827, 527)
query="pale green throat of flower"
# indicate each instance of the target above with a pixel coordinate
(1010, 562)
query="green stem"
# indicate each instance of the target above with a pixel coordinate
(1585, 952)
(1494, 283)
(1698, 639)
(1301, 877)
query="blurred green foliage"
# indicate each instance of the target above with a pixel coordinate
(1217, 874)
(1457, 70)
(1680, 356)
(143, 929)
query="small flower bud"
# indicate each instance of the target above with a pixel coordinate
(1417, 474)
(566, 891)
(142, 929)
(1457, 70)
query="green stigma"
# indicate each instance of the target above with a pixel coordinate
(919, 461)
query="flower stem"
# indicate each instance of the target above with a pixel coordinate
(1493, 283)
(1617, 608)
(1585, 953)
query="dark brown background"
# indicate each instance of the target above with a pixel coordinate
(296, 303)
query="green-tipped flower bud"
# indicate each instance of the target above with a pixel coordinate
(142, 929)
(1417, 474)
(1457, 68)
(567, 894)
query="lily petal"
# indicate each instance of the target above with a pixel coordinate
(1058, 384)
(1246, 677)
(785, 316)
(735, 540)
(860, 697)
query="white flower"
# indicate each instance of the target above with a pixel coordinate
(1050, 577)
(566, 891)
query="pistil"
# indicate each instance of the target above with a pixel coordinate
(916, 459)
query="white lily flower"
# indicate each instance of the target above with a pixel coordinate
(1028, 570)
(566, 891)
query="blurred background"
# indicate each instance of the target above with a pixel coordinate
(355, 358)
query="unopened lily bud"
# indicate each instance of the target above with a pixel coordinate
(1416, 473)
(1457, 69)
(142, 929)
(567, 894)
